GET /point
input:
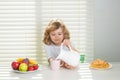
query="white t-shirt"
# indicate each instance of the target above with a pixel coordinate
(53, 50)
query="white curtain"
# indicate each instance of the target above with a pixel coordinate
(78, 17)
(17, 30)
(22, 23)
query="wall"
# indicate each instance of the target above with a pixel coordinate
(107, 29)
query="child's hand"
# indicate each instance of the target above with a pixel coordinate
(68, 66)
(65, 65)
(66, 42)
(62, 63)
(50, 59)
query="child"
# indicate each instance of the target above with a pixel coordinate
(55, 34)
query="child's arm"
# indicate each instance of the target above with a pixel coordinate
(67, 43)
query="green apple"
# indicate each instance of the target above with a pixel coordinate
(23, 67)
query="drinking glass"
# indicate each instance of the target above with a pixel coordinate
(82, 58)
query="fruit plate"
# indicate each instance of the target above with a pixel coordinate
(110, 66)
(17, 71)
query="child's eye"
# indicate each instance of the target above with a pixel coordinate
(53, 34)
(59, 34)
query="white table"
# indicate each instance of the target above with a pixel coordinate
(81, 73)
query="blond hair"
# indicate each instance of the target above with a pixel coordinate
(52, 26)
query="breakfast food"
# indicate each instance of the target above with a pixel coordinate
(24, 64)
(99, 64)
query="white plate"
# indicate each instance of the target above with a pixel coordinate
(110, 66)
(24, 72)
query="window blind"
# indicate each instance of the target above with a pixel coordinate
(78, 17)
(17, 30)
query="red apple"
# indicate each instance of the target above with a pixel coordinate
(35, 67)
(15, 65)
(30, 68)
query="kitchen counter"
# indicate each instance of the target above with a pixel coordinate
(82, 72)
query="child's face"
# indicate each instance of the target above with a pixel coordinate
(57, 36)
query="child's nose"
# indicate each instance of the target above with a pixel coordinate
(56, 36)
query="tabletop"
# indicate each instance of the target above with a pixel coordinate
(82, 72)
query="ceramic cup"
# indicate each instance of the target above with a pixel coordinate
(55, 64)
